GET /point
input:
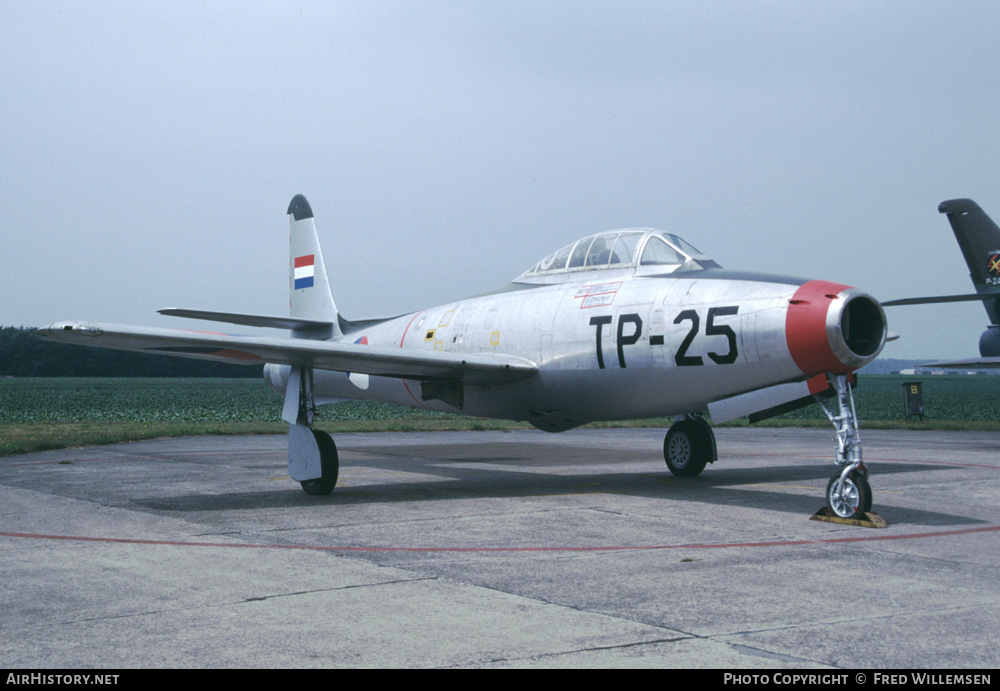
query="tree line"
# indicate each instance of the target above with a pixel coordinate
(23, 353)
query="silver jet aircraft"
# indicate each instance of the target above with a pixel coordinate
(620, 325)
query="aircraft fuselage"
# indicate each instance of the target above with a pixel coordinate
(652, 346)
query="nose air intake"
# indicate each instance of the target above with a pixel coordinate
(862, 326)
(831, 327)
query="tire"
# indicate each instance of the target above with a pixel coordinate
(858, 500)
(322, 486)
(684, 449)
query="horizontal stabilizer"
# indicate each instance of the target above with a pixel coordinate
(261, 320)
(425, 365)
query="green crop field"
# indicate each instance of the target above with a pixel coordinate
(948, 398)
(97, 399)
(48, 413)
(52, 413)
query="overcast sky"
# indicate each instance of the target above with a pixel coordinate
(148, 151)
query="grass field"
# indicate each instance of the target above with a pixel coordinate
(51, 413)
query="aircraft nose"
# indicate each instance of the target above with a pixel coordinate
(831, 327)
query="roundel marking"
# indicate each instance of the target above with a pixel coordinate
(993, 264)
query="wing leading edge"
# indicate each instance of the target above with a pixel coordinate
(328, 355)
(935, 299)
(980, 363)
(264, 321)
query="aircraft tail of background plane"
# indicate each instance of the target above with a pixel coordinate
(979, 238)
(309, 286)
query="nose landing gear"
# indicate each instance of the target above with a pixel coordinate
(848, 494)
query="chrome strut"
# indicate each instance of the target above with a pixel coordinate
(845, 422)
(307, 404)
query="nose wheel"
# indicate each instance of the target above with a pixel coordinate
(849, 495)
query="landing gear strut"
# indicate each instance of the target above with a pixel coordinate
(312, 456)
(848, 494)
(689, 446)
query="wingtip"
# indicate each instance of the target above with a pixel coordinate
(299, 208)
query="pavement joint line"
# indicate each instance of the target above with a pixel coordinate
(353, 586)
(599, 648)
(744, 649)
(850, 621)
(231, 603)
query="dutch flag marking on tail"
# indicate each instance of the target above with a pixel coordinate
(305, 270)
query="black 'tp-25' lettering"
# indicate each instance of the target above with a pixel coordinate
(599, 322)
(627, 340)
(622, 339)
(682, 358)
(711, 329)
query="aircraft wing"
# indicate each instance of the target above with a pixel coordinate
(478, 369)
(981, 363)
(971, 297)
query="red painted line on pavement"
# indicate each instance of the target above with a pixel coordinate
(606, 548)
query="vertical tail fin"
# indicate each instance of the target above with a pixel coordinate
(309, 286)
(979, 238)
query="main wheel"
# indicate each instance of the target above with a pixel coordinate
(684, 449)
(856, 500)
(330, 462)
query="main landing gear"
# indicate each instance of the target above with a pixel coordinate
(689, 446)
(848, 494)
(312, 455)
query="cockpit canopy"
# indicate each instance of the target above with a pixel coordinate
(646, 249)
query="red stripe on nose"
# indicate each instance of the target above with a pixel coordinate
(805, 327)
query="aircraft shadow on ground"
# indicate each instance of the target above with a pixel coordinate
(454, 480)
